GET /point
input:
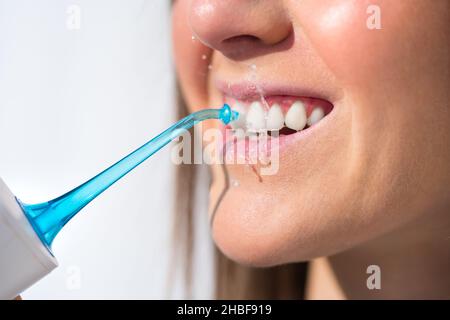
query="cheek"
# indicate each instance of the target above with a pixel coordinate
(396, 68)
(340, 33)
(394, 80)
(191, 58)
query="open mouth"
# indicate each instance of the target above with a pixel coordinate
(277, 115)
(271, 118)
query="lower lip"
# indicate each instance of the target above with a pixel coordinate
(245, 150)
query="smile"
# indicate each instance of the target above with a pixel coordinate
(277, 115)
(270, 120)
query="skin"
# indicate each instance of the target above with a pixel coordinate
(369, 185)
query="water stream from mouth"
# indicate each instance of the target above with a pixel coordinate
(253, 74)
(253, 80)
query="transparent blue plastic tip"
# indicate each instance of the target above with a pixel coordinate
(48, 218)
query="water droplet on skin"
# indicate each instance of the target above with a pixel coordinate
(193, 38)
(253, 66)
(235, 183)
(204, 57)
(210, 67)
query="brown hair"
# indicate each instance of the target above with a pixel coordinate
(233, 281)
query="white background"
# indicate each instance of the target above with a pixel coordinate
(74, 101)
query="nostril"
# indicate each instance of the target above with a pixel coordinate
(247, 46)
(241, 39)
(241, 47)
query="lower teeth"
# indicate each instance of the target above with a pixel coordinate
(285, 131)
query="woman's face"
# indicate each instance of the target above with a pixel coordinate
(380, 157)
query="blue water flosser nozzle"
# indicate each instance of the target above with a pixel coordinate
(48, 218)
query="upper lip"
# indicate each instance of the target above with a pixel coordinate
(254, 90)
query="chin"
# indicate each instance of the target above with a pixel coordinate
(269, 230)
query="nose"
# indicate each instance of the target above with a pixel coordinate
(240, 29)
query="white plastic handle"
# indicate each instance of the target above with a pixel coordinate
(24, 259)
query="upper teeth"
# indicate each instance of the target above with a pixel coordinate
(256, 119)
(240, 122)
(275, 118)
(316, 115)
(296, 116)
